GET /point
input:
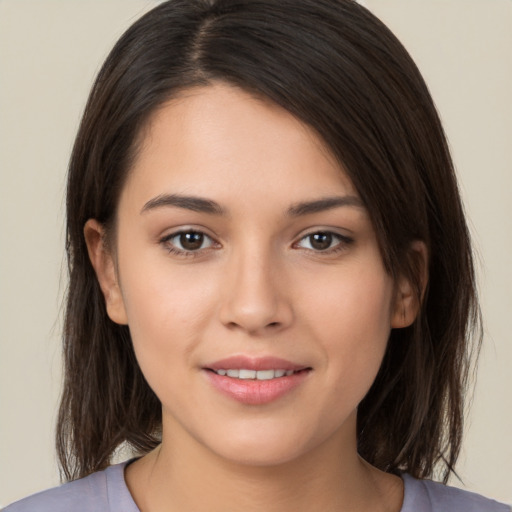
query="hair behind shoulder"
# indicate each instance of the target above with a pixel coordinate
(336, 67)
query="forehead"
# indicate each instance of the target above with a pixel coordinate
(220, 140)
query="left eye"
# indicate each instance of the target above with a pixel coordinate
(189, 241)
(322, 241)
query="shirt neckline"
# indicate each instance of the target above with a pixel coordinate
(117, 487)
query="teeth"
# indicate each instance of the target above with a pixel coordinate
(253, 374)
(265, 374)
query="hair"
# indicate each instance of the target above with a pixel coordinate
(337, 68)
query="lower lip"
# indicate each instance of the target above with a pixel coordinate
(256, 392)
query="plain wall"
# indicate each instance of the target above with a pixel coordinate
(50, 51)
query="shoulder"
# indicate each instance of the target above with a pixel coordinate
(428, 496)
(86, 494)
(104, 491)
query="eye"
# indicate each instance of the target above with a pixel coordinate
(187, 241)
(324, 241)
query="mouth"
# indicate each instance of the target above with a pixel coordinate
(256, 381)
(246, 374)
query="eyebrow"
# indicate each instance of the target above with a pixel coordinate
(196, 204)
(323, 204)
(202, 205)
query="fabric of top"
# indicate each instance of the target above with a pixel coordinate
(106, 491)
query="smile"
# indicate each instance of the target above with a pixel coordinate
(254, 374)
(256, 381)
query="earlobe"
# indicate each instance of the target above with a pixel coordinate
(409, 292)
(103, 263)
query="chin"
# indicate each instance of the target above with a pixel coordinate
(260, 446)
(267, 455)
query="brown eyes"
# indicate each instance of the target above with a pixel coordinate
(187, 242)
(191, 242)
(324, 241)
(320, 241)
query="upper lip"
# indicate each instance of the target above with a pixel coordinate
(255, 363)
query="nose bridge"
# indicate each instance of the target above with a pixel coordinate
(254, 299)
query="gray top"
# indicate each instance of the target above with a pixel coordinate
(106, 491)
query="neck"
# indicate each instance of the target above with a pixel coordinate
(181, 475)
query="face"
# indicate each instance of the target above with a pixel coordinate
(249, 274)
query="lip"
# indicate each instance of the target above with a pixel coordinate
(255, 392)
(254, 363)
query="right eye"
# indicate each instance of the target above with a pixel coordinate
(186, 242)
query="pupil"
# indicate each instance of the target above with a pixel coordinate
(191, 241)
(321, 241)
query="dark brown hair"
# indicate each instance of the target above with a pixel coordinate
(337, 68)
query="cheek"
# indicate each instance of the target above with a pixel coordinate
(353, 323)
(158, 294)
(167, 308)
(357, 300)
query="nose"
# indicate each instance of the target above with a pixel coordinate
(254, 300)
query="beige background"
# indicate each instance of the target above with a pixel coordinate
(49, 52)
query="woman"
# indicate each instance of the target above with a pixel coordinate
(271, 283)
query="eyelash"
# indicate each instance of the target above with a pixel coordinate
(172, 249)
(343, 242)
(341, 245)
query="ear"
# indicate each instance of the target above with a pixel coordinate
(103, 262)
(408, 295)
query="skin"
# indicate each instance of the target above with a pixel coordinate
(256, 286)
